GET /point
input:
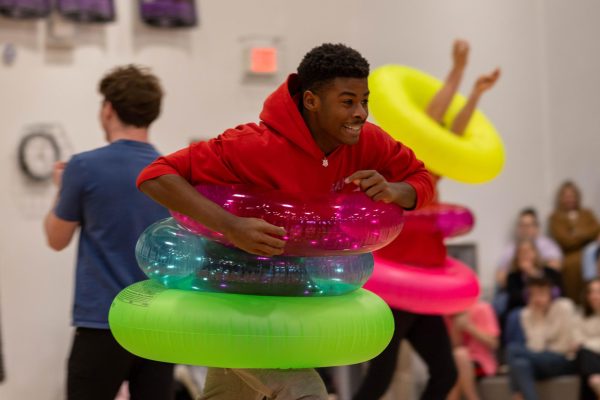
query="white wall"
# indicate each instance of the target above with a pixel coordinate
(544, 48)
(420, 33)
(573, 106)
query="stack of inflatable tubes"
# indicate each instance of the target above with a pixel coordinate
(442, 289)
(208, 304)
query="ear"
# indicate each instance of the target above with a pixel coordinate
(311, 101)
(107, 110)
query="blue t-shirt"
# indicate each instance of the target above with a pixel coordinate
(99, 192)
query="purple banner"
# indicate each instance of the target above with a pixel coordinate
(169, 13)
(87, 10)
(25, 9)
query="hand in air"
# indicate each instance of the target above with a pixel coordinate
(57, 173)
(460, 53)
(486, 82)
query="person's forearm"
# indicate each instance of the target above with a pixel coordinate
(177, 194)
(441, 101)
(455, 336)
(464, 116)
(488, 340)
(48, 224)
(406, 195)
(587, 232)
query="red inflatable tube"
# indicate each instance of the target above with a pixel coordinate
(448, 219)
(446, 289)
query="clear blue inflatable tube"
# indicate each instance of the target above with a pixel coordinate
(180, 259)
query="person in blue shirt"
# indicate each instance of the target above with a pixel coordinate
(97, 196)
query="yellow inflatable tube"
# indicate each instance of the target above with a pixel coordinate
(399, 97)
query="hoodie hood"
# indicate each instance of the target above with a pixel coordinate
(281, 113)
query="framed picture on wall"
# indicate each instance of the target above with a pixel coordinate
(87, 10)
(169, 13)
(465, 252)
(25, 9)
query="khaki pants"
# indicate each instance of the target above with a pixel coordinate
(257, 384)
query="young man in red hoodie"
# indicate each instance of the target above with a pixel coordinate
(313, 138)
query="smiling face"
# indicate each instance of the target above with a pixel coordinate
(336, 113)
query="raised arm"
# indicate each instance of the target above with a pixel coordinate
(59, 231)
(441, 101)
(483, 84)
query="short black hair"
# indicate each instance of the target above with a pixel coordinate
(540, 282)
(529, 211)
(329, 61)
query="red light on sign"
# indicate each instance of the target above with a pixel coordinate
(263, 60)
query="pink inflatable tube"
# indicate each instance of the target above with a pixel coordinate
(319, 225)
(450, 219)
(447, 289)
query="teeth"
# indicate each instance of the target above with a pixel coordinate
(354, 128)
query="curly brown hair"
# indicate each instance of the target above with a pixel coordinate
(134, 93)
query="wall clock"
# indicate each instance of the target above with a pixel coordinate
(38, 151)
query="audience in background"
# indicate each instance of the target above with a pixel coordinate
(547, 324)
(526, 265)
(528, 228)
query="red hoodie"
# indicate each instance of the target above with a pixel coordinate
(280, 153)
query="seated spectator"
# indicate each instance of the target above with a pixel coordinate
(527, 264)
(587, 339)
(474, 334)
(590, 263)
(573, 227)
(528, 228)
(549, 340)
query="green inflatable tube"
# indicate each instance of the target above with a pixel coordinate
(248, 331)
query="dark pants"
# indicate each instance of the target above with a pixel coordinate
(588, 363)
(98, 365)
(526, 367)
(513, 331)
(428, 336)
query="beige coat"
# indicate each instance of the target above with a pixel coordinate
(572, 236)
(587, 332)
(552, 331)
